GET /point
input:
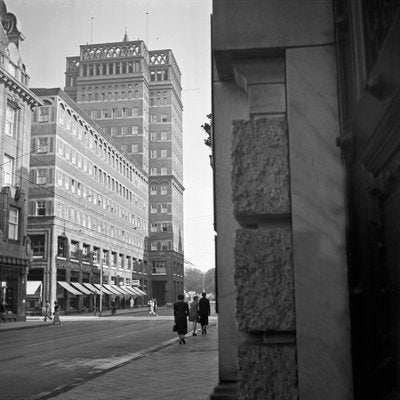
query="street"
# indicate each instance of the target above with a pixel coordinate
(38, 361)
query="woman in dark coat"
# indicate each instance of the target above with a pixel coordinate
(181, 312)
(204, 312)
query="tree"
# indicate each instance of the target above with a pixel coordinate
(193, 279)
(207, 128)
(209, 281)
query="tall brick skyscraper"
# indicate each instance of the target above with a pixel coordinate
(135, 95)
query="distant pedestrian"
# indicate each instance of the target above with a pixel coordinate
(155, 307)
(56, 315)
(131, 302)
(113, 308)
(194, 314)
(47, 311)
(151, 307)
(204, 311)
(181, 312)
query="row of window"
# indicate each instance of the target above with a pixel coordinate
(161, 245)
(161, 208)
(163, 153)
(162, 189)
(107, 113)
(100, 146)
(98, 174)
(160, 226)
(103, 227)
(159, 171)
(110, 68)
(88, 252)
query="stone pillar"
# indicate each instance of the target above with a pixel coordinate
(265, 308)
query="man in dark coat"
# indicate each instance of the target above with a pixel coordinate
(204, 312)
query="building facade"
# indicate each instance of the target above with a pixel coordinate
(306, 157)
(88, 211)
(135, 95)
(16, 103)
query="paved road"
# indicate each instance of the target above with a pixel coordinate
(36, 362)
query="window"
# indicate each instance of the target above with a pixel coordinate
(153, 136)
(42, 145)
(164, 118)
(153, 245)
(44, 113)
(41, 207)
(13, 224)
(164, 208)
(154, 208)
(164, 171)
(164, 153)
(153, 171)
(153, 118)
(135, 130)
(134, 148)
(8, 170)
(153, 154)
(74, 249)
(41, 177)
(164, 189)
(96, 255)
(10, 120)
(153, 227)
(37, 244)
(164, 136)
(153, 190)
(164, 227)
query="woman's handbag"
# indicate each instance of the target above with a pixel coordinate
(174, 328)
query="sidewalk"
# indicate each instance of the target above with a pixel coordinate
(188, 371)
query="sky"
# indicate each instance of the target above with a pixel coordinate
(54, 30)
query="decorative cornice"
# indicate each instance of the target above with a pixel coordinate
(18, 88)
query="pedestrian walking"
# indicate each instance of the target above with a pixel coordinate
(56, 315)
(47, 311)
(181, 312)
(194, 314)
(113, 308)
(204, 312)
(151, 307)
(155, 307)
(131, 302)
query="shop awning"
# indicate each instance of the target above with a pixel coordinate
(32, 287)
(137, 293)
(81, 288)
(125, 290)
(140, 291)
(91, 287)
(103, 289)
(68, 287)
(112, 290)
(120, 290)
(130, 289)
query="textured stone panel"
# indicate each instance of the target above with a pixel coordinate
(264, 280)
(267, 372)
(260, 173)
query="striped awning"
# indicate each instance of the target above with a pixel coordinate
(103, 289)
(69, 288)
(91, 287)
(140, 291)
(130, 290)
(81, 288)
(111, 289)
